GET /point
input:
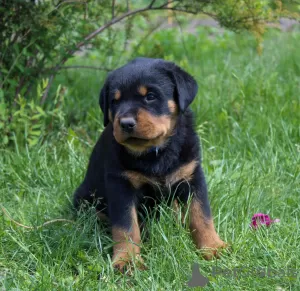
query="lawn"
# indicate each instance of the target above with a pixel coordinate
(247, 115)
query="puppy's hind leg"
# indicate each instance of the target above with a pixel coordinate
(82, 196)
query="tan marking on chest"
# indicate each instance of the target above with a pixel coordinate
(185, 172)
(137, 180)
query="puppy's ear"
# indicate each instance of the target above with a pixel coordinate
(185, 85)
(104, 102)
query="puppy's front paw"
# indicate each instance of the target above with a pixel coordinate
(124, 262)
(212, 248)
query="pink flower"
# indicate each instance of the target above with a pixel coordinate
(259, 219)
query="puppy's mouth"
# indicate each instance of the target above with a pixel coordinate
(132, 140)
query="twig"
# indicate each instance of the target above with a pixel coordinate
(170, 19)
(47, 88)
(181, 34)
(113, 9)
(151, 4)
(69, 2)
(34, 227)
(136, 47)
(85, 67)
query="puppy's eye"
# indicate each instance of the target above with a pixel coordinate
(150, 97)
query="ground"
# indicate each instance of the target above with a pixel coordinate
(247, 115)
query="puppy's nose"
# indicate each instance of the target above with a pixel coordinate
(127, 124)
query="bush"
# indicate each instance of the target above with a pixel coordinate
(37, 36)
(27, 122)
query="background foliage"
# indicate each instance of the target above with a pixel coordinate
(37, 39)
(247, 115)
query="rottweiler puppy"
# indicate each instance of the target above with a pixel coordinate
(147, 150)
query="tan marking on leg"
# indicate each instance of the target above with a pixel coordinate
(142, 90)
(102, 216)
(203, 231)
(137, 180)
(172, 106)
(110, 116)
(185, 172)
(127, 244)
(117, 95)
(177, 211)
(176, 207)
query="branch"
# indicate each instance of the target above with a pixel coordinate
(107, 25)
(99, 30)
(110, 23)
(34, 227)
(69, 2)
(179, 10)
(151, 4)
(85, 67)
(118, 19)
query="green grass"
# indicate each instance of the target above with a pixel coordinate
(248, 116)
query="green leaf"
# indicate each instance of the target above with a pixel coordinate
(40, 110)
(5, 140)
(32, 142)
(35, 133)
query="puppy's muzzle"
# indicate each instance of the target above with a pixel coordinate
(127, 124)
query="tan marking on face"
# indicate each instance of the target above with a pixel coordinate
(185, 172)
(110, 116)
(142, 90)
(154, 130)
(137, 180)
(127, 244)
(203, 231)
(172, 106)
(117, 95)
(151, 126)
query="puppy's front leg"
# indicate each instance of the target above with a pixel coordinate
(200, 219)
(124, 221)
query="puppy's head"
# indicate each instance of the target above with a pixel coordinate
(143, 100)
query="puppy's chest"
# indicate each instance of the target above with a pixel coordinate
(184, 172)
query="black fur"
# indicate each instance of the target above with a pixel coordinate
(104, 180)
